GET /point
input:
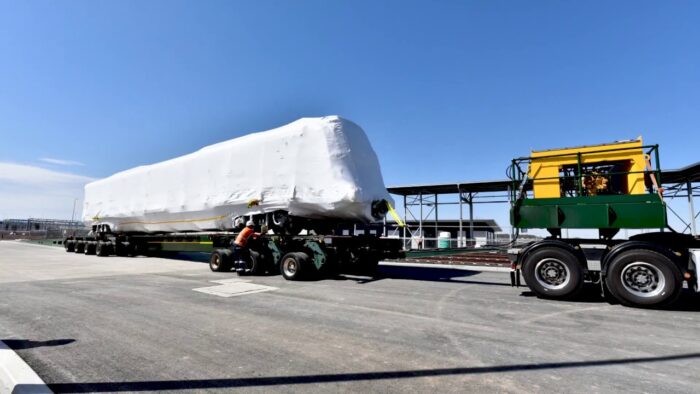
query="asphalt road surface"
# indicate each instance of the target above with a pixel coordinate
(92, 324)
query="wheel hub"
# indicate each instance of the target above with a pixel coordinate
(552, 273)
(643, 279)
(290, 267)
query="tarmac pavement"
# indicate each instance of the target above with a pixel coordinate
(119, 324)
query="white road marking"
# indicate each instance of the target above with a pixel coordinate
(549, 316)
(16, 374)
(234, 287)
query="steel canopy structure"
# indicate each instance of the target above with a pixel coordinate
(426, 198)
(684, 182)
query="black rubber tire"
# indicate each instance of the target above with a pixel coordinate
(228, 258)
(120, 249)
(220, 260)
(131, 250)
(295, 266)
(102, 249)
(253, 264)
(90, 248)
(670, 288)
(69, 245)
(79, 247)
(562, 258)
(138, 249)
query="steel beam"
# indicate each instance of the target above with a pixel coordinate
(693, 229)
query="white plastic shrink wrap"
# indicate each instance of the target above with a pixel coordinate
(317, 168)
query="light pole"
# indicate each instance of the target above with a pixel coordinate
(72, 216)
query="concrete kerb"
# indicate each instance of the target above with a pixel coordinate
(16, 376)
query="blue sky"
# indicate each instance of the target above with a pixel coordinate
(446, 90)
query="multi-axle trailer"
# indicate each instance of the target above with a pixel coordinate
(605, 188)
(294, 256)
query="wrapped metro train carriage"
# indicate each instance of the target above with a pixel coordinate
(311, 171)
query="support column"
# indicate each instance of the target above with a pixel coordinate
(420, 222)
(436, 220)
(471, 217)
(689, 188)
(461, 225)
(405, 223)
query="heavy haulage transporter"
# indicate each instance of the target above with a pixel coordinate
(606, 188)
(299, 183)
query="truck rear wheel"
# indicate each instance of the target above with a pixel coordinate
(552, 272)
(293, 266)
(79, 247)
(69, 245)
(644, 278)
(220, 260)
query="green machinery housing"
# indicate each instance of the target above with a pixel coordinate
(605, 187)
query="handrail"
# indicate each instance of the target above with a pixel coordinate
(651, 149)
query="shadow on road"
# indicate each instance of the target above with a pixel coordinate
(424, 274)
(155, 385)
(19, 344)
(589, 294)
(385, 272)
(688, 301)
(198, 257)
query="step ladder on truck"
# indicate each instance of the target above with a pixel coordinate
(606, 188)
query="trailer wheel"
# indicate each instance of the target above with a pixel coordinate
(138, 249)
(131, 249)
(69, 245)
(644, 278)
(293, 266)
(253, 264)
(102, 248)
(552, 272)
(90, 248)
(220, 260)
(79, 247)
(120, 249)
